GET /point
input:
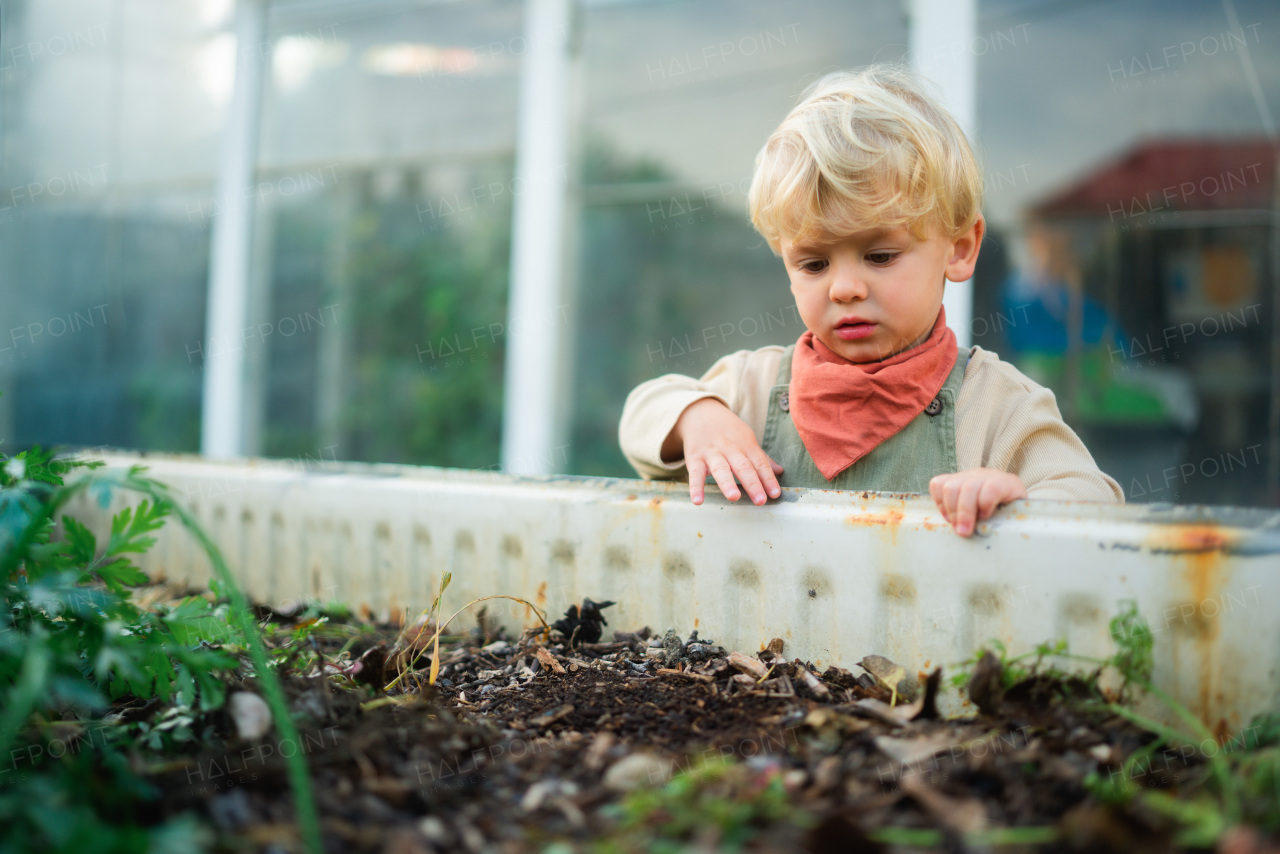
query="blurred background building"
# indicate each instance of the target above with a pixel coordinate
(355, 189)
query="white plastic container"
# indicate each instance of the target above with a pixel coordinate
(836, 575)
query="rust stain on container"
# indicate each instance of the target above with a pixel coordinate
(889, 517)
(889, 521)
(655, 503)
(1200, 551)
(540, 598)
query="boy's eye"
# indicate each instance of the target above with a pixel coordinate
(816, 266)
(881, 257)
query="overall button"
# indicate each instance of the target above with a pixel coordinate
(934, 407)
(784, 401)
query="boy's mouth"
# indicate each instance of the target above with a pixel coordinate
(852, 329)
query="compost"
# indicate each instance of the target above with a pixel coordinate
(658, 741)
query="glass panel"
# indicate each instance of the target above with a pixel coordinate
(111, 118)
(1131, 160)
(383, 233)
(678, 99)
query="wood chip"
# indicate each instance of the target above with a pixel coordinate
(673, 672)
(923, 708)
(894, 716)
(961, 815)
(548, 661)
(778, 686)
(551, 716)
(828, 774)
(750, 666)
(598, 752)
(808, 680)
(571, 811)
(775, 647)
(910, 751)
(604, 647)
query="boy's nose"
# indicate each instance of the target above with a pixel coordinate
(847, 285)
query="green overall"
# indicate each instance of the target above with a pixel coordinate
(905, 462)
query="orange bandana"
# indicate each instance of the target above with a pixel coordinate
(842, 409)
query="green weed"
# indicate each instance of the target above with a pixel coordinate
(718, 802)
(72, 643)
(1241, 786)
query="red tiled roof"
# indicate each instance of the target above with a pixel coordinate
(1184, 175)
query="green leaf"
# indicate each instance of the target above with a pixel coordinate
(119, 574)
(195, 620)
(77, 692)
(186, 687)
(81, 544)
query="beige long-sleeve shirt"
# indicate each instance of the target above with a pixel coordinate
(1004, 421)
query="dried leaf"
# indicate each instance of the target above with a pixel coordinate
(548, 661)
(892, 675)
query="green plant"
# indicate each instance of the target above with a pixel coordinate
(72, 641)
(1245, 782)
(1012, 670)
(719, 801)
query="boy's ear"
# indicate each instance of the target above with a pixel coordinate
(964, 252)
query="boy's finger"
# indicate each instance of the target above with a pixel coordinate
(936, 484)
(768, 478)
(749, 478)
(724, 478)
(990, 497)
(697, 479)
(951, 497)
(967, 506)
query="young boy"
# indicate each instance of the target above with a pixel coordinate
(871, 195)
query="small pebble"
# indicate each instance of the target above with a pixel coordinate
(434, 829)
(639, 770)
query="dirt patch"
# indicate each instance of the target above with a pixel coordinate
(653, 739)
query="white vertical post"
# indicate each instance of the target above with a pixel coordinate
(942, 33)
(536, 394)
(222, 427)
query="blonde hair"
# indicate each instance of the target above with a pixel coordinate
(867, 149)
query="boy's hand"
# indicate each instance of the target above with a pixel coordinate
(718, 442)
(968, 496)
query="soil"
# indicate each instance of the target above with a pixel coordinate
(547, 743)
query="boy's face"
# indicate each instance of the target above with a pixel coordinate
(875, 293)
